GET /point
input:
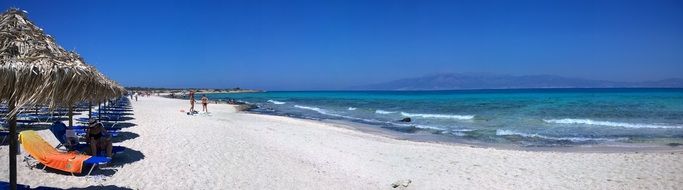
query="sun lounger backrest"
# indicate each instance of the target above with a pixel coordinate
(59, 130)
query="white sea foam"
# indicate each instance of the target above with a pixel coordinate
(503, 132)
(610, 123)
(455, 133)
(352, 108)
(458, 132)
(384, 112)
(441, 116)
(326, 112)
(366, 120)
(276, 102)
(429, 127)
(319, 110)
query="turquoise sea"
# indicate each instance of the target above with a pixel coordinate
(527, 117)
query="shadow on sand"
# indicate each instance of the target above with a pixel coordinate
(119, 124)
(124, 136)
(126, 157)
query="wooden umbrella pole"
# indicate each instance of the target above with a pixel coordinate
(99, 111)
(89, 110)
(13, 146)
(71, 116)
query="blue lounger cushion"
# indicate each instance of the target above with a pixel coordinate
(97, 160)
(114, 149)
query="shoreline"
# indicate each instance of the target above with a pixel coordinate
(426, 137)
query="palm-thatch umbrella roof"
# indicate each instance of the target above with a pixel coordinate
(34, 69)
(101, 87)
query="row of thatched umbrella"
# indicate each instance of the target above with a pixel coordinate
(35, 70)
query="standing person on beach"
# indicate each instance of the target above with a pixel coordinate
(192, 101)
(205, 101)
(136, 96)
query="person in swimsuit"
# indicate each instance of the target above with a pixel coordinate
(99, 139)
(192, 101)
(205, 101)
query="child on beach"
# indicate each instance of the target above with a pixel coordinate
(205, 101)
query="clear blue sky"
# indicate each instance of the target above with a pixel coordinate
(290, 45)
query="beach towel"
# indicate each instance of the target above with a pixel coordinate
(50, 156)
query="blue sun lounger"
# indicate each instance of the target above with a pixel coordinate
(59, 131)
(80, 130)
(109, 124)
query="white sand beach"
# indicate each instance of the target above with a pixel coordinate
(236, 150)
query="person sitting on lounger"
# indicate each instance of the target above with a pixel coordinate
(99, 139)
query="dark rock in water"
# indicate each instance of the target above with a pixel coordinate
(407, 119)
(246, 107)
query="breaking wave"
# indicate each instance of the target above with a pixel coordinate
(276, 102)
(384, 112)
(316, 109)
(441, 116)
(609, 123)
(503, 132)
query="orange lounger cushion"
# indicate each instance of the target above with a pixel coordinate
(50, 156)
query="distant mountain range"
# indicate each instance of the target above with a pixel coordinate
(492, 81)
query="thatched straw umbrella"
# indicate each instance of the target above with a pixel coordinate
(103, 87)
(36, 70)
